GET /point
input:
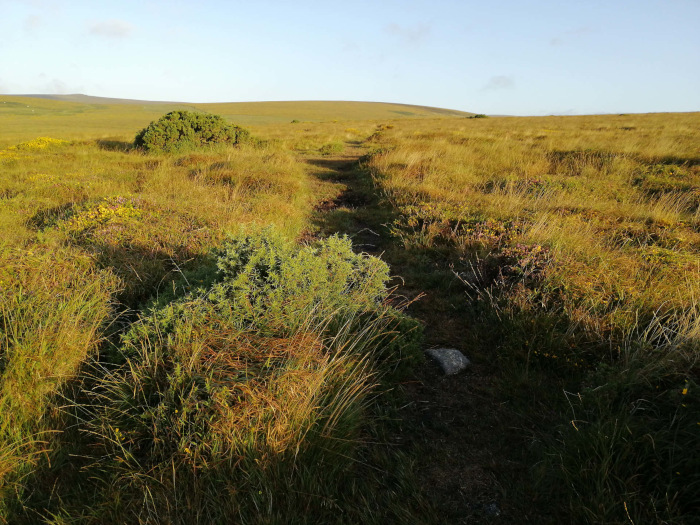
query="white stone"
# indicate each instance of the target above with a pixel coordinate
(451, 360)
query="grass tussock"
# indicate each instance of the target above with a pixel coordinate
(53, 310)
(225, 399)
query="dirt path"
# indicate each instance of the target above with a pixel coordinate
(455, 427)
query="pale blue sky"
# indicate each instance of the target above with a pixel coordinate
(499, 57)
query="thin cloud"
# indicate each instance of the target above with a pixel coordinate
(412, 35)
(499, 82)
(111, 28)
(57, 87)
(562, 38)
(32, 22)
(556, 41)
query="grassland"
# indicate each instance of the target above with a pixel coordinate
(576, 244)
(166, 357)
(75, 118)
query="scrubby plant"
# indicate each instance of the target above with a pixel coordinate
(259, 381)
(332, 148)
(180, 131)
(268, 276)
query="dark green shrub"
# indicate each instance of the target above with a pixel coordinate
(180, 131)
(266, 282)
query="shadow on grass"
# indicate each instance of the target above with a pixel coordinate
(48, 217)
(680, 161)
(357, 211)
(341, 165)
(363, 214)
(149, 273)
(115, 145)
(437, 410)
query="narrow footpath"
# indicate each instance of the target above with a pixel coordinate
(454, 426)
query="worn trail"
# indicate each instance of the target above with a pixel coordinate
(455, 427)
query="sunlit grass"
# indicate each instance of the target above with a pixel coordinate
(577, 242)
(25, 118)
(93, 231)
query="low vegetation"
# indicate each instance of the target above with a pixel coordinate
(243, 383)
(171, 352)
(576, 243)
(139, 338)
(181, 131)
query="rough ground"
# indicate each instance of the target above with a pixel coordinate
(466, 450)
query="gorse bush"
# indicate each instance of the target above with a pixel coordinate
(266, 282)
(180, 131)
(266, 371)
(268, 276)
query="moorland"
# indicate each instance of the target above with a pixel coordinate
(233, 333)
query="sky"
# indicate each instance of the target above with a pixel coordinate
(527, 57)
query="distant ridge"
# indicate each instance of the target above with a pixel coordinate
(89, 99)
(252, 108)
(78, 116)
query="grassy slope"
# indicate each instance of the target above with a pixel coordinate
(24, 118)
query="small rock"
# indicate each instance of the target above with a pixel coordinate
(492, 510)
(451, 360)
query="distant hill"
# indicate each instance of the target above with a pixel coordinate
(279, 110)
(89, 99)
(24, 117)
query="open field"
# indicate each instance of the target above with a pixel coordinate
(182, 339)
(79, 117)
